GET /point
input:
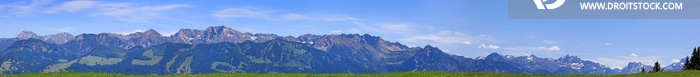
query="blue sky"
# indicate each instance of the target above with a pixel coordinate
(469, 28)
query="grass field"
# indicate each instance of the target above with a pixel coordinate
(402, 74)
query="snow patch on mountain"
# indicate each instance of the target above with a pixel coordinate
(481, 58)
(576, 65)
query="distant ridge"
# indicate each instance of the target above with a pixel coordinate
(223, 49)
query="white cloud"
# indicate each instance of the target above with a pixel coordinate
(454, 33)
(612, 62)
(384, 29)
(488, 46)
(621, 61)
(395, 27)
(131, 10)
(633, 55)
(467, 42)
(516, 53)
(607, 44)
(408, 34)
(22, 8)
(440, 39)
(539, 48)
(338, 18)
(72, 6)
(240, 12)
(116, 9)
(164, 7)
(616, 67)
(676, 60)
(294, 16)
(169, 33)
(155, 11)
(336, 31)
(134, 13)
(554, 48)
(130, 32)
(125, 11)
(389, 28)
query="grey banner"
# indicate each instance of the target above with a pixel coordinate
(572, 9)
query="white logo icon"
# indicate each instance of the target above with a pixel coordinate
(554, 5)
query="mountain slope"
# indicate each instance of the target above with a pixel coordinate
(59, 38)
(267, 57)
(32, 55)
(6, 42)
(222, 49)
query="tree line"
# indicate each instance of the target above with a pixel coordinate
(657, 68)
(693, 61)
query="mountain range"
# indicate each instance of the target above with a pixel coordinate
(220, 49)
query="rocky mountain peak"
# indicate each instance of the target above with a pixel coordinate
(185, 31)
(495, 57)
(151, 31)
(27, 35)
(63, 34)
(147, 33)
(59, 38)
(569, 59)
(220, 29)
(635, 67)
(428, 47)
(221, 32)
(634, 64)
